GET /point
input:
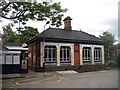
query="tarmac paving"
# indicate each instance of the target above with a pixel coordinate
(31, 74)
(65, 79)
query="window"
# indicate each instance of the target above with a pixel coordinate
(8, 59)
(50, 54)
(86, 54)
(2, 59)
(16, 59)
(64, 54)
(97, 54)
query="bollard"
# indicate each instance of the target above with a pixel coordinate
(43, 67)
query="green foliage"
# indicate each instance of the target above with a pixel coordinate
(108, 38)
(26, 33)
(111, 63)
(10, 35)
(21, 35)
(118, 60)
(25, 11)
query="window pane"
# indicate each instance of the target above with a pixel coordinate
(2, 59)
(61, 54)
(86, 53)
(50, 53)
(45, 53)
(53, 53)
(68, 53)
(16, 59)
(64, 54)
(9, 59)
(97, 54)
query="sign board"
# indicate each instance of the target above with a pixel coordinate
(24, 64)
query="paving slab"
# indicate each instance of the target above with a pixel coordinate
(66, 72)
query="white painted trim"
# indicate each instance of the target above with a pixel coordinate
(41, 54)
(10, 52)
(72, 55)
(92, 55)
(58, 44)
(81, 59)
(92, 47)
(58, 56)
(16, 48)
(103, 58)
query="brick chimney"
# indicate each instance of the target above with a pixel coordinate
(2, 39)
(67, 23)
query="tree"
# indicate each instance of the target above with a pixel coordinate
(26, 34)
(25, 11)
(22, 12)
(21, 35)
(10, 35)
(109, 40)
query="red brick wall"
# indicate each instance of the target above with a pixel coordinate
(34, 54)
(76, 54)
(38, 54)
(30, 54)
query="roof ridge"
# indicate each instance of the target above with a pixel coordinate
(90, 34)
(75, 31)
(71, 30)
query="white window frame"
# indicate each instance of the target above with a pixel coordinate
(64, 51)
(9, 59)
(87, 57)
(50, 54)
(97, 54)
(2, 58)
(16, 59)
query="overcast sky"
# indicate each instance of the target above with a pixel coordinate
(91, 16)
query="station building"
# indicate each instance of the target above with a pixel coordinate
(65, 49)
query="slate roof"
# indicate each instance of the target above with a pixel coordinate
(66, 35)
(13, 44)
(3, 48)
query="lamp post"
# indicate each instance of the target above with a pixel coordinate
(44, 43)
(109, 52)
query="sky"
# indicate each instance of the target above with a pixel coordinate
(91, 16)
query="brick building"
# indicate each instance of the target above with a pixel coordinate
(65, 49)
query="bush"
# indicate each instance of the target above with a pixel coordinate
(111, 63)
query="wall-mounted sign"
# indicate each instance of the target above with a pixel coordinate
(29, 55)
(24, 64)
